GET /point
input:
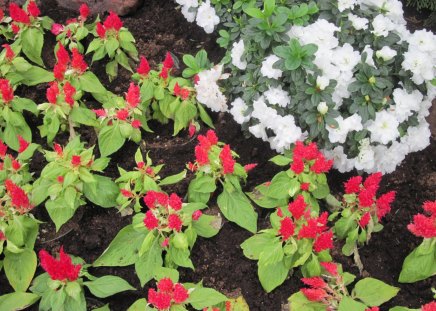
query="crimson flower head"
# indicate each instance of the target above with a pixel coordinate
(23, 144)
(314, 294)
(315, 282)
(58, 149)
(287, 228)
(56, 29)
(122, 114)
(78, 63)
(321, 165)
(174, 222)
(15, 28)
(84, 11)
(76, 160)
(181, 92)
(150, 221)
(227, 160)
(19, 198)
(353, 184)
(62, 55)
(201, 155)
(330, 267)
(113, 22)
(10, 55)
(101, 31)
(133, 95)
(101, 113)
(192, 129)
(164, 73)
(2, 15)
(167, 294)
(6, 91)
(168, 62)
(297, 207)
(429, 307)
(196, 215)
(69, 92)
(422, 225)
(18, 14)
(373, 309)
(61, 269)
(175, 202)
(364, 220)
(249, 167)
(144, 67)
(33, 9)
(3, 149)
(323, 241)
(136, 124)
(53, 93)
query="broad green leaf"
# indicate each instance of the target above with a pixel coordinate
(348, 304)
(147, 264)
(202, 297)
(255, 245)
(374, 292)
(281, 160)
(90, 83)
(271, 276)
(299, 302)
(32, 42)
(107, 285)
(20, 269)
(17, 301)
(59, 212)
(36, 75)
(173, 179)
(103, 192)
(207, 226)
(110, 139)
(420, 264)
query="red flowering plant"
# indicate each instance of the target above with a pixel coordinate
(12, 122)
(329, 292)
(120, 119)
(134, 184)
(360, 213)
(18, 227)
(74, 31)
(28, 27)
(114, 41)
(215, 164)
(165, 97)
(171, 295)
(168, 227)
(5, 31)
(61, 287)
(420, 264)
(18, 70)
(298, 238)
(68, 177)
(305, 176)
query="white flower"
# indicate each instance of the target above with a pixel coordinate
(339, 134)
(405, 103)
(417, 137)
(345, 57)
(346, 4)
(188, 13)
(340, 159)
(236, 54)
(365, 158)
(387, 159)
(206, 17)
(322, 108)
(384, 128)
(287, 133)
(258, 131)
(369, 57)
(423, 40)
(322, 82)
(359, 23)
(208, 92)
(238, 110)
(267, 69)
(320, 33)
(386, 53)
(277, 96)
(188, 3)
(394, 11)
(382, 25)
(420, 65)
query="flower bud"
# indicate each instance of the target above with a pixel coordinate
(322, 82)
(322, 108)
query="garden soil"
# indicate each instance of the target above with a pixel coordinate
(219, 261)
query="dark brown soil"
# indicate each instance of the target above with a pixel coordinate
(219, 261)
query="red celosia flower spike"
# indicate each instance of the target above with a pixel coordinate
(287, 228)
(165, 285)
(373, 309)
(321, 165)
(249, 167)
(323, 242)
(58, 149)
(430, 207)
(122, 114)
(315, 282)
(15, 28)
(192, 129)
(10, 55)
(384, 204)
(78, 63)
(373, 181)
(180, 293)
(126, 193)
(314, 294)
(56, 29)
(76, 160)
(33, 9)
(364, 220)
(423, 226)
(62, 269)
(201, 156)
(6, 91)
(2, 15)
(23, 144)
(160, 300)
(297, 207)
(227, 160)
(429, 307)
(353, 184)
(113, 22)
(150, 221)
(101, 113)
(175, 202)
(70, 92)
(101, 31)
(144, 67)
(330, 267)
(136, 124)
(174, 222)
(196, 215)
(18, 14)
(133, 95)
(168, 62)
(19, 198)
(3, 149)
(211, 137)
(164, 73)
(366, 197)
(52, 93)
(62, 55)
(84, 11)
(297, 165)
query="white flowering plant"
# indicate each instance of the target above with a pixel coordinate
(347, 74)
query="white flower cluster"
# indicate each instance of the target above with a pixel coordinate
(204, 15)
(208, 91)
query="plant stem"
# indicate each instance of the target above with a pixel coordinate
(357, 260)
(71, 127)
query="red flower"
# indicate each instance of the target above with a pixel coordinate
(330, 267)
(305, 186)
(323, 242)
(78, 63)
(175, 202)
(249, 167)
(101, 113)
(32, 9)
(196, 215)
(101, 31)
(62, 55)
(353, 184)
(184, 94)
(150, 221)
(364, 220)
(126, 193)
(372, 309)
(52, 93)
(161, 301)
(165, 242)
(16, 165)
(2, 236)
(430, 207)
(429, 307)
(59, 71)
(174, 222)
(18, 14)
(297, 207)
(315, 282)
(168, 62)
(165, 285)
(314, 294)
(133, 95)
(56, 29)
(384, 204)
(15, 28)
(309, 152)
(176, 89)
(23, 144)
(2, 15)
(58, 149)
(373, 181)
(122, 114)
(164, 73)
(136, 124)
(6, 91)
(297, 166)
(113, 22)
(287, 228)
(76, 160)
(180, 293)
(211, 137)
(192, 129)
(62, 269)
(227, 160)
(19, 198)
(201, 155)
(69, 92)
(321, 165)
(423, 226)
(144, 67)
(84, 11)
(366, 197)
(9, 53)
(60, 179)
(279, 212)
(3, 149)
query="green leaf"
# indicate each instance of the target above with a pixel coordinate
(236, 207)
(420, 264)
(140, 305)
(123, 250)
(280, 186)
(36, 75)
(348, 304)
(202, 297)
(207, 226)
(299, 302)
(107, 285)
(59, 212)
(374, 292)
(91, 84)
(254, 12)
(281, 160)
(32, 42)
(17, 301)
(173, 179)
(255, 245)
(83, 116)
(403, 309)
(103, 192)
(271, 276)
(110, 139)
(20, 269)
